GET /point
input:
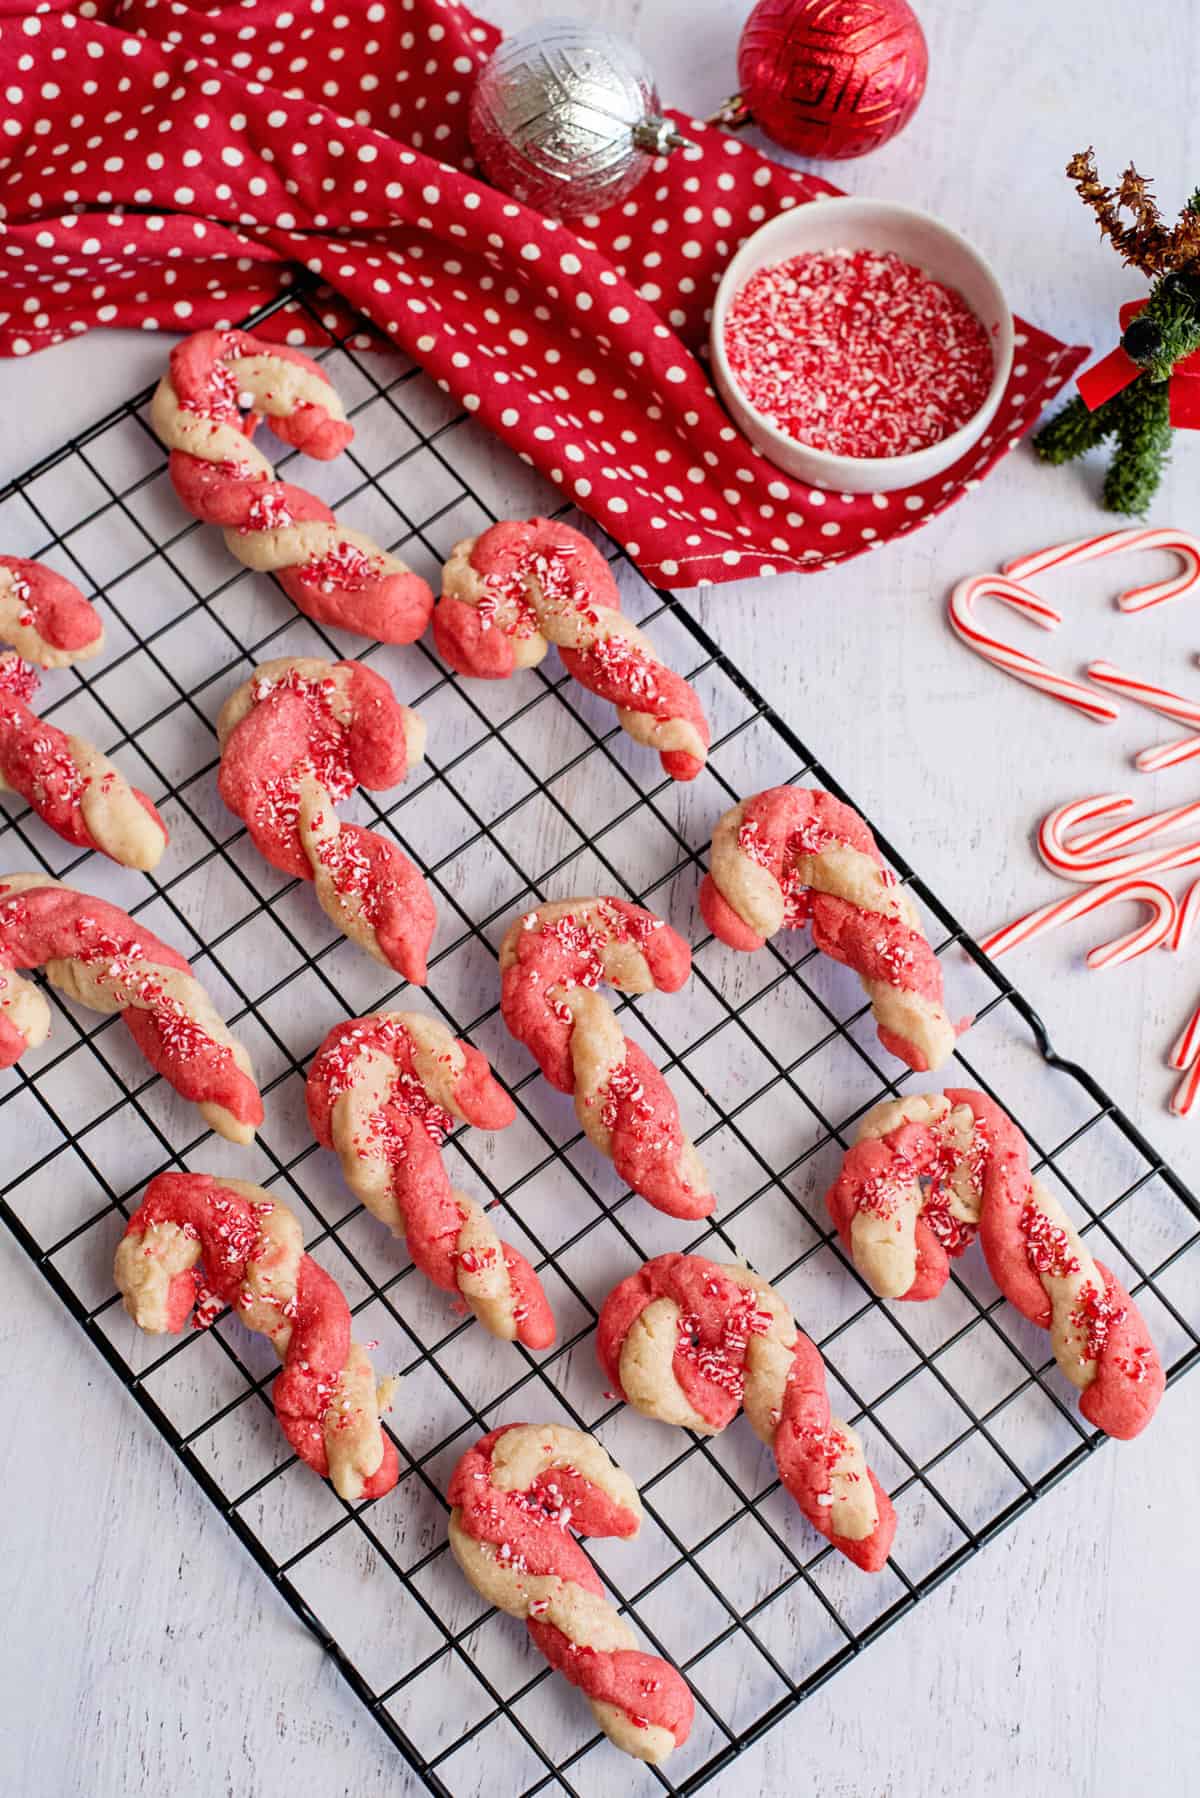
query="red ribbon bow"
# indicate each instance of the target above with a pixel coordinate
(1118, 370)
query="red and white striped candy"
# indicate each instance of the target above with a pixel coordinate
(1017, 662)
(1078, 905)
(1186, 1048)
(1166, 755)
(1100, 855)
(1187, 910)
(1115, 543)
(1185, 1051)
(1155, 699)
(1184, 1096)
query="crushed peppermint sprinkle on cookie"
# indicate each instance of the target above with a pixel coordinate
(1096, 1317)
(812, 838)
(345, 567)
(221, 400)
(327, 757)
(616, 659)
(1047, 1244)
(857, 352)
(1138, 1364)
(18, 678)
(723, 1364)
(624, 1091)
(559, 585)
(267, 511)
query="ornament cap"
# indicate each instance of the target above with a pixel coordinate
(658, 136)
(734, 114)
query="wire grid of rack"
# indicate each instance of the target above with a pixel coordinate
(529, 792)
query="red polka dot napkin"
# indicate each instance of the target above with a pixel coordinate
(162, 163)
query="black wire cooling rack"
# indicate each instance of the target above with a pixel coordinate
(529, 793)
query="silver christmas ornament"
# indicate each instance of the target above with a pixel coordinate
(566, 118)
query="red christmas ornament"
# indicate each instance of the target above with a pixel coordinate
(830, 78)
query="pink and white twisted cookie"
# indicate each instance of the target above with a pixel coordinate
(384, 1092)
(45, 617)
(690, 1342)
(98, 956)
(74, 789)
(516, 1495)
(509, 594)
(206, 408)
(296, 739)
(929, 1171)
(552, 961)
(199, 1241)
(791, 856)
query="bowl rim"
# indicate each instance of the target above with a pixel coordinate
(957, 442)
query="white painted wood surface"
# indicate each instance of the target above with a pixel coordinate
(141, 1649)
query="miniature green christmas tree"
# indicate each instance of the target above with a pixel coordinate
(1162, 334)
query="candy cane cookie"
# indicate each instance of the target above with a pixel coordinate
(690, 1342)
(514, 1495)
(384, 1092)
(791, 856)
(74, 789)
(97, 955)
(296, 739)
(552, 961)
(506, 596)
(201, 1241)
(929, 1171)
(206, 408)
(45, 617)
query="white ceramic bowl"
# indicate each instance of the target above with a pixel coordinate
(864, 225)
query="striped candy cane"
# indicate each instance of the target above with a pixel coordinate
(1078, 905)
(1115, 543)
(1187, 911)
(1166, 755)
(1155, 699)
(1099, 855)
(1184, 1096)
(1185, 1051)
(1017, 662)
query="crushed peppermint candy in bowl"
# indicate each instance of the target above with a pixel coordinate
(861, 346)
